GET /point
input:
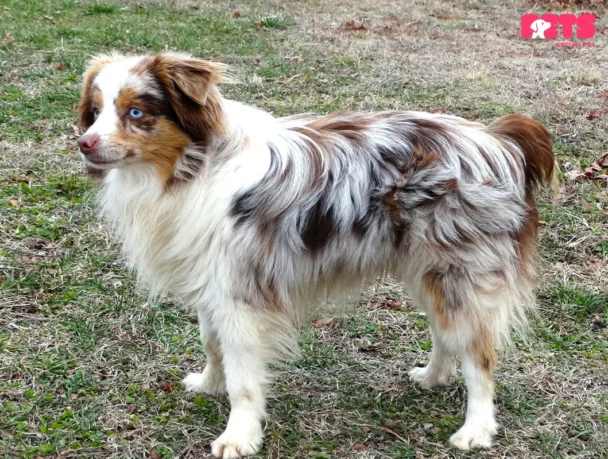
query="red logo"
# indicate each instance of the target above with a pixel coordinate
(547, 26)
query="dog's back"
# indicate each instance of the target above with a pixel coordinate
(354, 195)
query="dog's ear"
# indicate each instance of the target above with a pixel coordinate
(190, 85)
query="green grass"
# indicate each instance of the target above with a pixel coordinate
(89, 368)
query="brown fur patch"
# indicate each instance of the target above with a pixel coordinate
(127, 98)
(162, 147)
(428, 137)
(322, 133)
(423, 159)
(534, 140)
(432, 284)
(339, 123)
(88, 100)
(395, 209)
(395, 214)
(189, 84)
(483, 348)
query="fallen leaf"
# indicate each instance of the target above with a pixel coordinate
(352, 26)
(296, 58)
(37, 244)
(323, 322)
(597, 167)
(21, 179)
(155, 455)
(128, 425)
(9, 37)
(395, 305)
(365, 345)
(168, 387)
(598, 322)
(360, 446)
(13, 392)
(573, 174)
(14, 203)
(122, 336)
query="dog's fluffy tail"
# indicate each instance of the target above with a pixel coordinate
(535, 142)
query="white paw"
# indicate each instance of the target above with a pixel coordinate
(210, 381)
(471, 436)
(428, 379)
(238, 443)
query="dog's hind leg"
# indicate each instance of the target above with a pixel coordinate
(466, 313)
(478, 361)
(212, 380)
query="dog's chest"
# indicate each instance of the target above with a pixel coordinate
(178, 241)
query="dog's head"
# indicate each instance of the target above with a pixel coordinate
(147, 109)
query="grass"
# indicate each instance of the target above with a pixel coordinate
(89, 369)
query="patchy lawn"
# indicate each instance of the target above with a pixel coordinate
(89, 369)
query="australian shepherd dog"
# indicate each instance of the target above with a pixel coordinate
(252, 219)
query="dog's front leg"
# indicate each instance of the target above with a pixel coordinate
(240, 333)
(212, 380)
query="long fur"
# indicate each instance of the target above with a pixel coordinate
(255, 219)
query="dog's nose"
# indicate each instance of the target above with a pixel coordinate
(88, 143)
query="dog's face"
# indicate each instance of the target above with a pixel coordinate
(147, 109)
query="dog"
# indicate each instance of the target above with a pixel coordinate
(251, 219)
(539, 27)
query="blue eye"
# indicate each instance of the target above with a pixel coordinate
(95, 113)
(135, 113)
